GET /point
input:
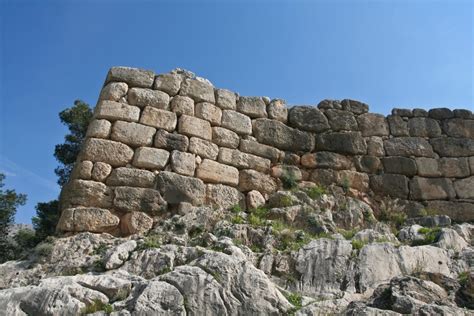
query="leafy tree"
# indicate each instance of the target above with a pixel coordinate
(9, 202)
(76, 118)
(46, 219)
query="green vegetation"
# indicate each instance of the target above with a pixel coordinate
(236, 208)
(431, 235)
(357, 244)
(428, 212)
(44, 249)
(237, 219)
(316, 192)
(151, 241)
(295, 299)
(286, 200)
(463, 277)
(288, 180)
(99, 265)
(348, 234)
(100, 250)
(346, 184)
(97, 306)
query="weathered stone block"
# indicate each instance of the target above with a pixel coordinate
(289, 158)
(255, 200)
(101, 171)
(354, 179)
(453, 147)
(423, 127)
(402, 112)
(150, 158)
(372, 124)
(454, 167)
(147, 97)
(130, 199)
(420, 113)
(223, 196)
(463, 113)
(182, 105)
(253, 147)
(253, 107)
(286, 172)
(132, 134)
(203, 148)
(131, 177)
(431, 189)
(277, 110)
(277, 134)
(428, 167)
(328, 104)
(408, 146)
(457, 211)
(86, 193)
(169, 83)
(345, 143)
(242, 160)
(393, 185)
(209, 112)
(159, 118)
(459, 128)
(398, 126)
(440, 113)
(214, 172)
(183, 163)
(354, 106)
(99, 129)
(225, 137)
(176, 188)
(341, 120)
(400, 165)
(226, 99)
(323, 176)
(308, 118)
(135, 223)
(88, 219)
(471, 164)
(368, 164)
(134, 77)
(253, 180)
(193, 126)
(326, 159)
(465, 188)
(114, 153)
(170, 141)
(237, 122)
(112, 111)
(199, 91)
(113, 91)
(82, 170)
(375, 146)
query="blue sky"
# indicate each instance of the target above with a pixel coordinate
(385, 53)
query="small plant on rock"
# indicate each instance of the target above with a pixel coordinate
(316, 192)
(236, 208)
(100, 250)
(44, 249)
(463, 277)
(97, 306)
(286, 200)
(237, 219)
(431, 235)
(357, 244)
(151, 241)
(296, 300)
(289, 180)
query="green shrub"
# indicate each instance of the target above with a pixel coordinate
(150, 241)
(357, 244)
(237, 219)
(295, 299)
(316, 192)
(44, 249)
(463, 277)
(289, 180)
(97, 306)
(346, 184)
(236, 208)
(348, 234)
(431, 235)
(255, 220)
(286, 200)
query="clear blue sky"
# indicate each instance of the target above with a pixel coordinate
(385, 53)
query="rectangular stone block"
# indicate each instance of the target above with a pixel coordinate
(147, 97)
(225, 137)
(113, 91)
(159, 118)
(225, 99)
(400, 165)
(199, 91)
(371, 124)
(134, 77)
(193, 126)
(183, 163)
(86, 193)
(431, 189)
(214, 172)
(255, 148)
(351, 143)
(454, 167)
(176, 188)
(129, 199)
(237, 122)
(394, 185)
(169, 83)
(132, 134)
(171, 141)
(114, 153)
(428, 167)
(112, 111)
(457, 211)
(253, 180)
(408, 146)
(99, 129)
(465, 188)
(203, 148)
(209, 112)
(242, 160)
(453, 147)
(131, 177)
(253, 107)
(150, 158)
(182, 105)
(224, 196)
(354, 179)
(326, 159)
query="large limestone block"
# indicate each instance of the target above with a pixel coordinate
(453, 147)
(408, 146)
(277, 110)
(423, 127)
(375, 146)
(131, 177)
(101, 171)
(398, 126)
(214, 172)
(242, 160)
(277, 134)
(354, 106)
(465, 188)
(86, 193)
(308, 118)
(226, 99)
(90, 219)
(356, 180)
(147, 97)
(199, 91)
(99, 129)
(345, 143)
(209, 112)
(183, 163)
(223, 196)
(459, 128)
(112, 111)
(253, 107)
(372, 124)
(368, 164)
(237, 122)
(454, 167)
(203, 148)
(457, 211)
(135, 223)
(284, 171)
(114, 153)
(182, 105)
(113, 91)
(150, 158)
(253, 180)
(341, 120)
(325, 159)
(176, 188)
(129, 199)
(170, 141)
(428, 167)
(169, 83)
(193, 126)
(400, 165)
(134, 77)
(132, 134)
(255, 200)
(265, 151)
(394, 185)
(225, 137)
(159, 118)
(440, 113)
(431, 189)
(82, 170)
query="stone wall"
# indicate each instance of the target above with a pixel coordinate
(158, 141)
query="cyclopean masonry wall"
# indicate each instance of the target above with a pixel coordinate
(158, 142)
